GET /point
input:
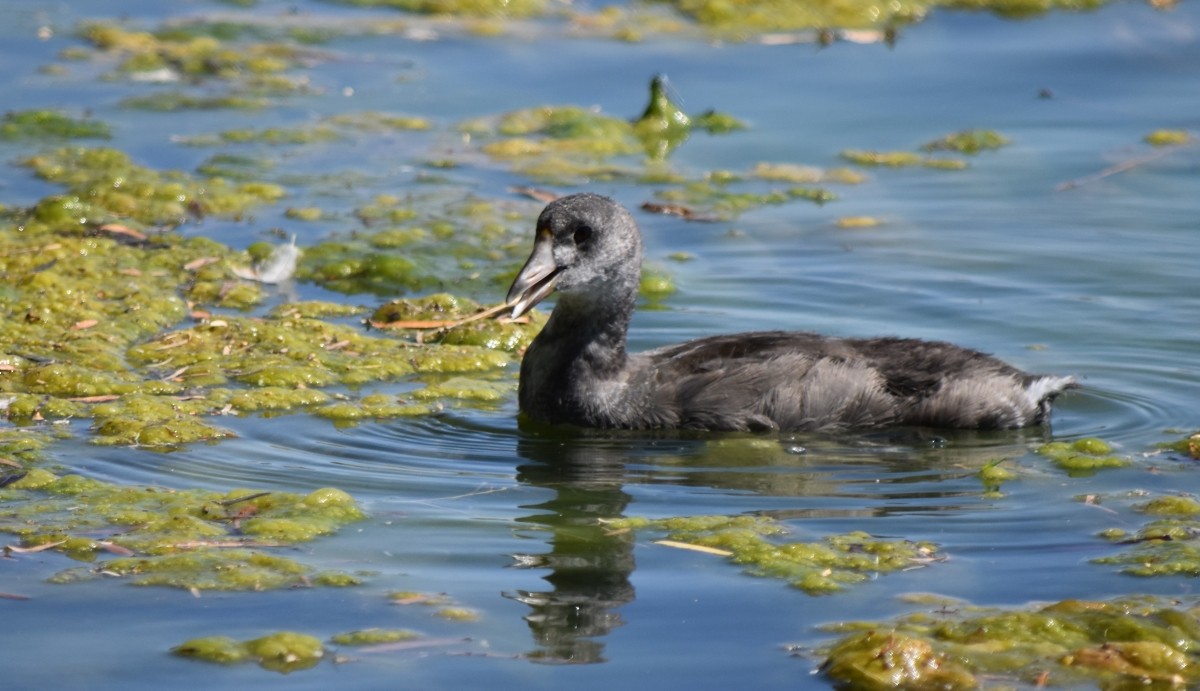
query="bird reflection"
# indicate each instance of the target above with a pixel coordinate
(589, 565)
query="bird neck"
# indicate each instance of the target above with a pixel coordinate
(588, 333)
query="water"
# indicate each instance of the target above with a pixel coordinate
(1097, 281)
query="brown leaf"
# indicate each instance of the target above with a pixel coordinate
(118, 229)
(197, 263)
(103, 398)
(543, 196)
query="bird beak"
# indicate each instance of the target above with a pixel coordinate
(537, 278)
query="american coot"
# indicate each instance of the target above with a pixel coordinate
(576, 370)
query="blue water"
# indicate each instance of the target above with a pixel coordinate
(1099, 281)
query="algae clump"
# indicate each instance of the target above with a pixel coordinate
(282, 651)
(1125, 642)
(814, 567)
(374, 636)
(1082, 456)
(49, 124)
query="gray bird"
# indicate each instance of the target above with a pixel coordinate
(577, 370)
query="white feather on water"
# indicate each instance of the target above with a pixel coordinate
(278, 267)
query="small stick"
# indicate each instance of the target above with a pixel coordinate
(1113, 170)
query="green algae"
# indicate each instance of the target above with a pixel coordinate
(276, 136)
(805, 175)
(663, 125)
(900, 159)
(968, 142)
(1167, 137)
(374, 121)
(460, 614)
(105, 185)
(1082, 456)
(171, 101)
(569, 144)
(374, 636)
(49, 124)
(282, 651)
(190, 539)
(469, 8)
(1188, 446)
(199, 51)
(405, 247)
(1167, 545)
(993, 475)
(817, 568)
(1129, 641)
(719, 198)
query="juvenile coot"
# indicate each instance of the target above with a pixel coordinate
(576, 370)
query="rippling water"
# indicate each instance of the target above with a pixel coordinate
(1098, 281)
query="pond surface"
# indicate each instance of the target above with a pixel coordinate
(1038, 252)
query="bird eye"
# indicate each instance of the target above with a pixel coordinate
(583, 234)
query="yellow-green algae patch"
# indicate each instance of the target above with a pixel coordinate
(442, 318)
(50, 124)
(1167, 545)
(968, 142)
(468, 8)
(282, 651)
(374, 636)
(179, 538)
(1082, 456)
(216, 54)
(105, 185)
(900, 159)
(1123, 643)
(717, 195)
(404, 247)
(1167, 137)
(569, 144)
(1188, 446)
(817, 568)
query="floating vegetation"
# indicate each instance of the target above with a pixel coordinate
(968, 142)
(190, 539)
(993, 474)
(374, 636)
(170, 101)
(569, 144)
(106, 186)
(805, 175)
(282, 651)
(900, 159)
(406, 248)
(200, 50)
(1188, 446)
(1168, 545)
(857, 222)
(49, 124)
(1122, 643)
(470, 8)
(817, 568)
(1082, 456)
(1168, 137)
(718, 198)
